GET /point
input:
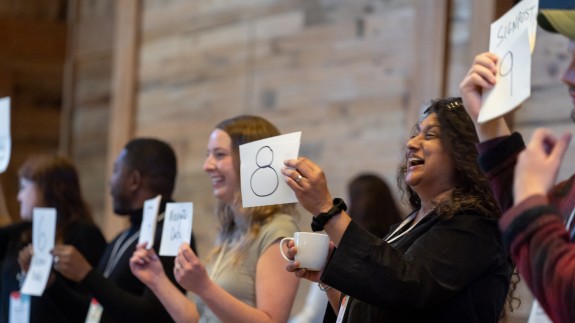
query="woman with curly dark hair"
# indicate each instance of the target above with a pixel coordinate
(444, 263)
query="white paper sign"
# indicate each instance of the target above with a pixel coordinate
(513, 81)
(5, 138)
(262, 182)
(505, 30)
(149, 218)
(43, 237)
(512, 39)
(177, 227)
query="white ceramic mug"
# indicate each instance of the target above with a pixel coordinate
(312, 249)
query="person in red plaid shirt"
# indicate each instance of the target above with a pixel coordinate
(538, 225)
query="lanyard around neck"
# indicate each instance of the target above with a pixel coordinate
(120, 247)
(410, 218)
(568, 225)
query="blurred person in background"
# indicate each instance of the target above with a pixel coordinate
(47, 181)
(144, 169)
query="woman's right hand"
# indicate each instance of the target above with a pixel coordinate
(146, 265)
(309, 183)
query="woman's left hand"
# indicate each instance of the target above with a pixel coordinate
(190, 273)
(309, 183)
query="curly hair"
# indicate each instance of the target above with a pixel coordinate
(471, 189)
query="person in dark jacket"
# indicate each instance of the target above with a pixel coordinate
(444, 263)
(47, 181)
(145, 168)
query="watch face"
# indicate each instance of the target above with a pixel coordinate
(339, 203)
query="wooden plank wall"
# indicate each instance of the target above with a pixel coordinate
(86, 113)
(32, 52)
(347, 74)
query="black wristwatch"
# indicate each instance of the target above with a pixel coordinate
(321, 219)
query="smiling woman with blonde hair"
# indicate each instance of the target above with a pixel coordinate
(245, 271)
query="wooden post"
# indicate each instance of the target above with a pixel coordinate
(123, 94)
(66, 116)
(431, 45)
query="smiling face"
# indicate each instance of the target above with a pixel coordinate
(219, 165)
(29, 196)
(430, 168)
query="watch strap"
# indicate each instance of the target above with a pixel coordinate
(321, 219)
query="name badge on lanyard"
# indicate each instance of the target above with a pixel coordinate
(19, 308)
(94, 312)
(342, 308)
(538, 315)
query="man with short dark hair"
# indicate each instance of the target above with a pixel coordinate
(144, 168)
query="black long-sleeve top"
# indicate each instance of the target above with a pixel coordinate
(453, 270)
(123, 297)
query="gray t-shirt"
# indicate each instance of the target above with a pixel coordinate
(239, 280)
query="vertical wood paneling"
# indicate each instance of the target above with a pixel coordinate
(87, 97)
(124, 79)
(431, 43)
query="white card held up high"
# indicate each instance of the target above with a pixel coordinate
(512, 39)
(261, 161)
(149, 219)
(5, 138)
(513, 82)
(177, 227)
(521, 17)
(43, 237)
